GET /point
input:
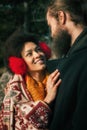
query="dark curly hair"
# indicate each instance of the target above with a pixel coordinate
(15, 44)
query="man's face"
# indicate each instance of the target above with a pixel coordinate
(53, 24)
(61, 38)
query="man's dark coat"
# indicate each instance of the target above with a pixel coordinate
(70, 106)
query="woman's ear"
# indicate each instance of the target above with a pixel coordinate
(61, 17)
(17, 65)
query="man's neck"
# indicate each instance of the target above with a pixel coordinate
(75, 32)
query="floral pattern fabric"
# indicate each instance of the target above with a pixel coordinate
(19, 111)
(3, 81)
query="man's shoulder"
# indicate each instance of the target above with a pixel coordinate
(52, 64)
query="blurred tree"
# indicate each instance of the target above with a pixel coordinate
(28, 15)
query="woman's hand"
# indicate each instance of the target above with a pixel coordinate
(52, 85)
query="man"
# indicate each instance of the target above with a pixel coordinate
(68, 30)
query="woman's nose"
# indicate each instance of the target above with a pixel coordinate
(36, 54)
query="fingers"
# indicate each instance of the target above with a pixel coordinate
(54, 73)
(55, 76)
(57, 83)
(54, 80)
(52, 85)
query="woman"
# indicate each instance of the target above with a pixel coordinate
(31, 89)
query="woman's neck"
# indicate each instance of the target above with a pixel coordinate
(38, 76)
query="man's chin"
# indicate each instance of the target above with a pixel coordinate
(61, 43)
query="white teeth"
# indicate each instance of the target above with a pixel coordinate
(38, 61)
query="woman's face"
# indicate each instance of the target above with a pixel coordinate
(33, 57)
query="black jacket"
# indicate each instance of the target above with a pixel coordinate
(70, 108)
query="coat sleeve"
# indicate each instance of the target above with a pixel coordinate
(35, 113)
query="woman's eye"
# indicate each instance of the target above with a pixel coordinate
(29, 54)
(38, 49)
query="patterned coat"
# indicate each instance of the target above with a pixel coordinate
(19, 111)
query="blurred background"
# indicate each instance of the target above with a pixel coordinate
(27, 15)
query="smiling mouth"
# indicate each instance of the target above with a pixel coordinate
(39, 61)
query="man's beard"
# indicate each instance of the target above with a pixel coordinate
(61, 43)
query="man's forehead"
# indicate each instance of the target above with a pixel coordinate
(48, 17)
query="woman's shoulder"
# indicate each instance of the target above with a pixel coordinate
(16, 78)
(9, 77)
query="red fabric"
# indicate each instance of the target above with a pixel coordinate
(19, 111)
(46, 49)
(17, 65)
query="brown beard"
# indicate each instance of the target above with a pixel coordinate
(61, 43)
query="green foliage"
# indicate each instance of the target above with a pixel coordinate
(26, 14)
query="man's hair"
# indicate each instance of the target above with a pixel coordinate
(76, 8)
